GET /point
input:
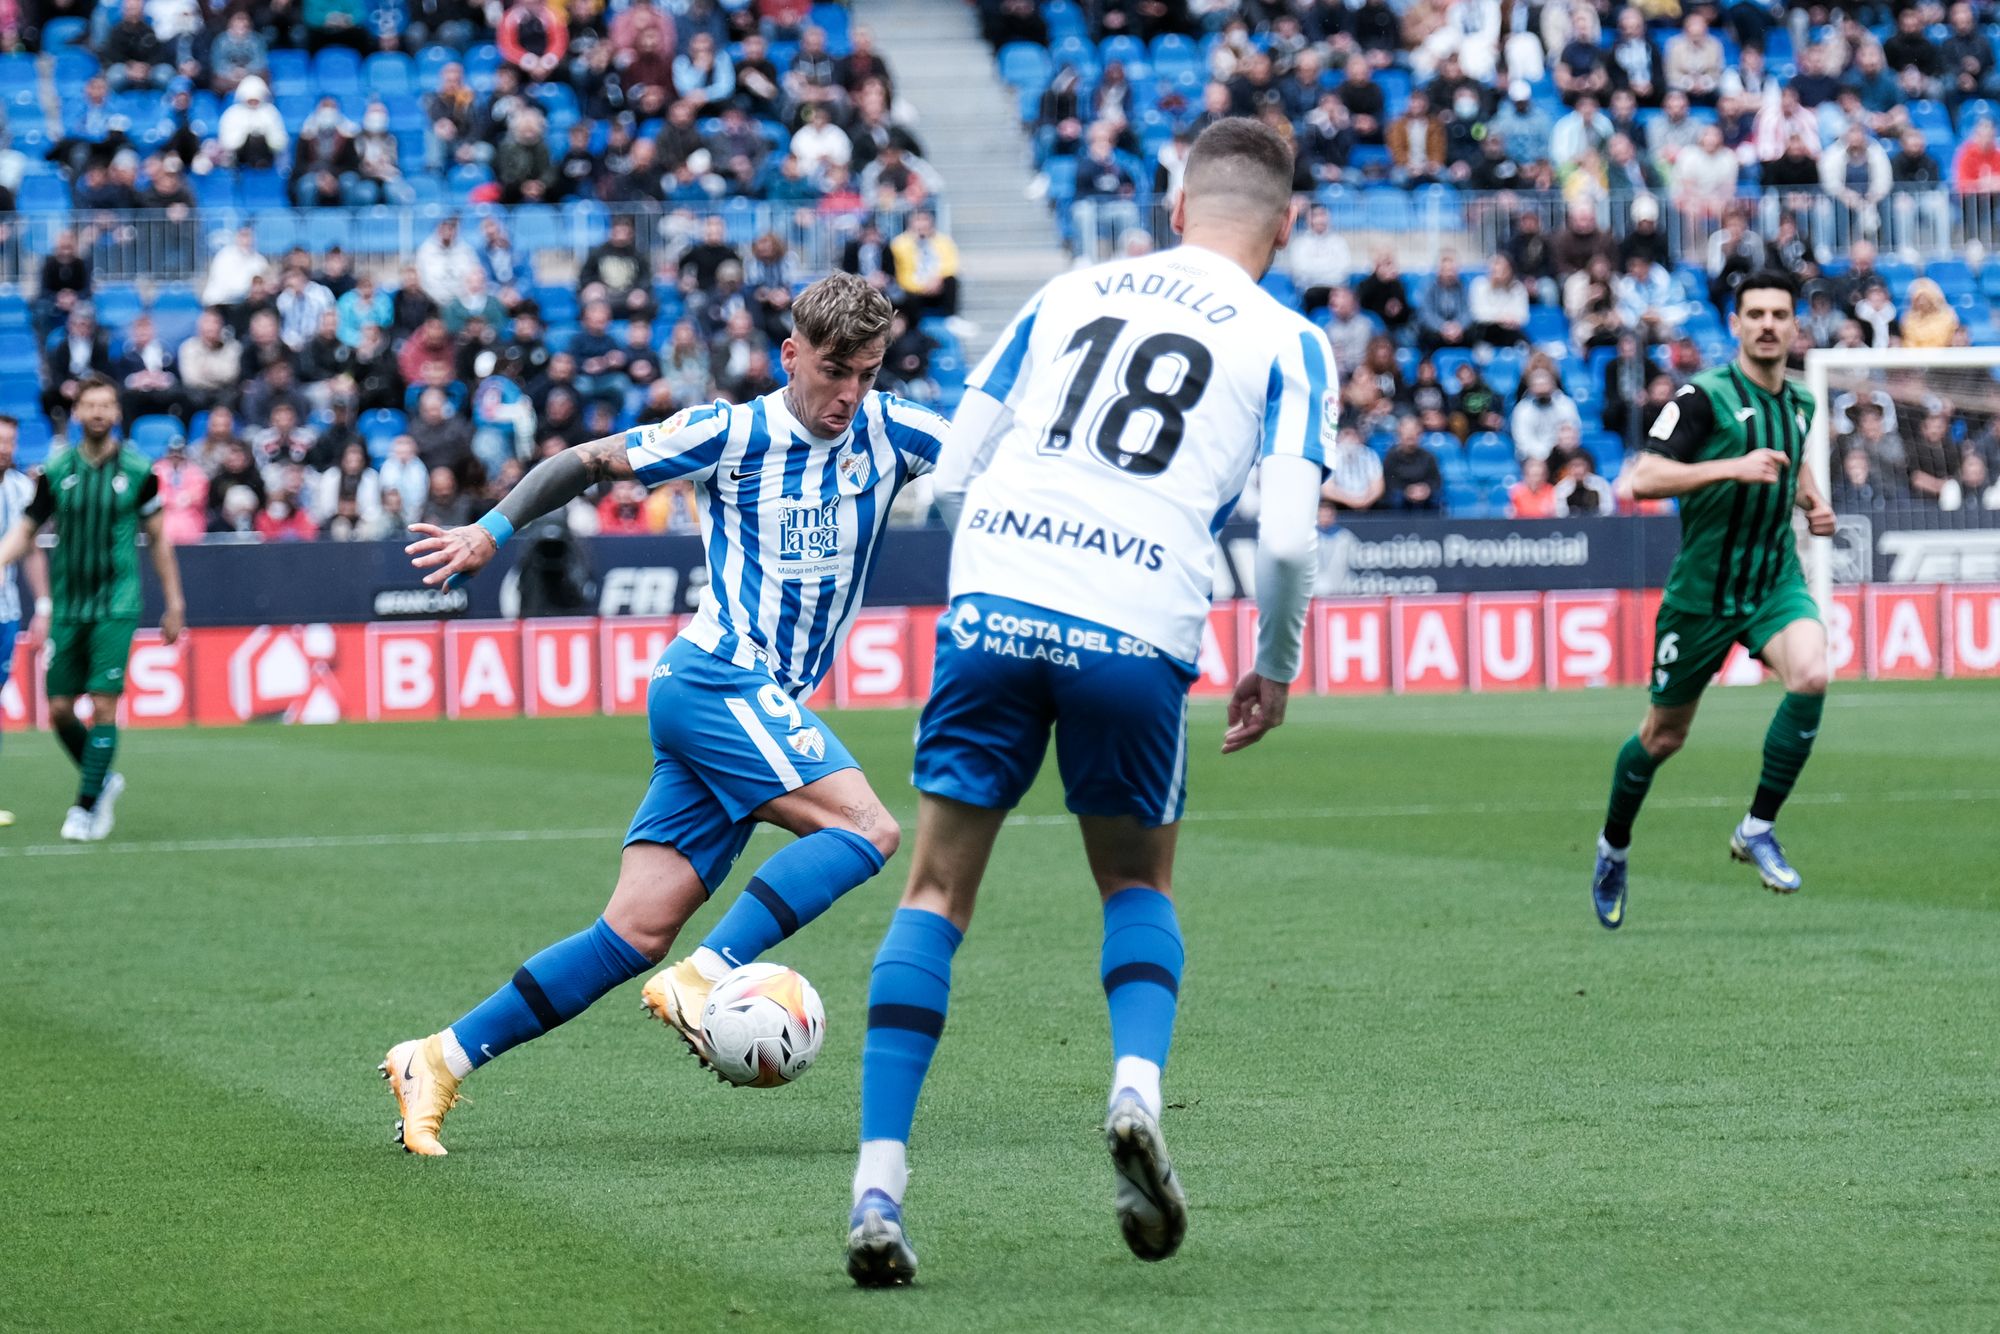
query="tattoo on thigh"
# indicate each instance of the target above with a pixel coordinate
(862, 817)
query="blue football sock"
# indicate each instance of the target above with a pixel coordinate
(556, 985)
(796, 885)
(1142, 972)
(907, 994)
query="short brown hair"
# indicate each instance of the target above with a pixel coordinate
(94, 381)
(1242, 157)
(841, 314)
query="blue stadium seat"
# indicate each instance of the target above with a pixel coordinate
(432, 59)
(1448, 360)
(587, 220)
(1465, 499)
(1503, 373)
(1974, 110)
(117, 305)
(1369, 157)
(1025, 66)
(175, 310)
(31, 447)
(464, 179)
(1064, 19)
(14, 314)
(558, 304)
(327, 228)
(1490, 453)
(278, 230)
(833, 18)
(216, 190)
(151, 435)
(1279, 285)
(42, 194)
(1955, 276)
(1547, 324)
(336, 70)
(391, 73)
(58, 33)
(1173, 52)
(19, 356)
(262, 190)
(538, 227)
(1127, 51)
(17, 74)
(480, 62)
(73, 66)
(382, 421)
(291, 74)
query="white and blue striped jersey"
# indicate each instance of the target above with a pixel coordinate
(15, 493)
(793, 523)
(1142, 392)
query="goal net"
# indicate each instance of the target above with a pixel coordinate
(1906, 445)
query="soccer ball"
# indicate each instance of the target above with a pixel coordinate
(763, 1025)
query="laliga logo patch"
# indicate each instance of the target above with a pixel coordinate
(1329, 417)
(808, 743)
(119, 483)
(965, 625)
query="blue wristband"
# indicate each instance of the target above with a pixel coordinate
(496, 523)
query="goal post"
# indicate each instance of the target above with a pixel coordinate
(1904, 386)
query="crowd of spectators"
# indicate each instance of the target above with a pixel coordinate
(322, 395)
(1627, 164)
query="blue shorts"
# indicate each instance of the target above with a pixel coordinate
(725, 741)
(1007, 672)
(8, 630)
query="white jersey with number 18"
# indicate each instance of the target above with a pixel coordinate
(1141, 392)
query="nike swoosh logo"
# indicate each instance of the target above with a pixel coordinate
(1636, 778)
(1745, 414)
(737, 474)
(410, 1068)
(487, 1049)
(1807, 736)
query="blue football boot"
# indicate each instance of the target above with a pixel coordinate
(1762, 851)
(878, 1254)
(1607, 889)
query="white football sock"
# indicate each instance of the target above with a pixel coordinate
(455, 1059)
(882, 1167)
(1142, 1077)
(1606, 850)
(1752, 826)
(710, 964)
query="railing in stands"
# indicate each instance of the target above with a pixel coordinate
(1922, 223)
(161, 248)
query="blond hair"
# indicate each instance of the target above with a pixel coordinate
(840, 315)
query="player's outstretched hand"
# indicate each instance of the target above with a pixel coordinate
(1762, 465)
(1819, 518)
(1257, 706)
(447, 552)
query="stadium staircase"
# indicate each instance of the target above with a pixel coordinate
(970, 127)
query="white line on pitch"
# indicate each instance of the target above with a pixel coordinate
(475, 837)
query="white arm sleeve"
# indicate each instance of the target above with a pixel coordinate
(1287, 560)
(968, 447)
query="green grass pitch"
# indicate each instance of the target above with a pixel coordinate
(1415, 1085)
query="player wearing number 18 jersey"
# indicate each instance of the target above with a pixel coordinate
(1731, 446)
(1100, 447)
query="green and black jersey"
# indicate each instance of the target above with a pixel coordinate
(1736, 537)
(98, 509)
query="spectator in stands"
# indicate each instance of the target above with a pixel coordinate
(684, 367)
(1624, 382)
(65, 284)
(210, 364)
(1581, 491)
(403, 472)
(1355, 481)
(1416, 141)
(364, 305)
(1106, 191)
(445, 504)
(1975, 167)
(238, 52)
(443, 439)
(1934, 458)
(1781, 122)
(1967, 57)
(183, 493)
(301, 303)
(622, 511)
(1444, 312)
(1627, 176)
(1544, 408)
(132, 52)
(1909, 47)
(1384, 295)
(1472, 405)
(1318, 259)
(1860, 488)
(251, 133)
(1854, 172)
(617, 266)
(1326, 141)
(703, 73)
(429, 347)
(1645, 237)
(1928, 319)
(1585, 129)
(1525, 126)
(1497, 302)
(378, 165)
(1694, 62)
(325, 145)
(231, 270)
(1363, 98)
(1635, 62)
(819, 140)
(286, 441)
(648, 66)
(1822, 319)
(1972, 489)
(1704, 180)
(145, 373)
(926, 268)
(76, 350)
(1410, 476)
(1920, 213)
(1532, 497)
(377, 381)
(1648, 301)
(1877, 314)
(1349, 330)
(444, 262)
(276, 385)
(600, 358)
(449, 110)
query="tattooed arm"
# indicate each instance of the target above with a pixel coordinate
(456, 554)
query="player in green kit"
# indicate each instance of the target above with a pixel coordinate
(1730, 446)
(101, 497)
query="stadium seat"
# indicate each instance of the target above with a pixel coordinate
(1125, 50)
(1173, 52)
(336, 70)
(117, 305)
(1464, 499)
(480, 62)
(1490, 453)
(1448, 360)
(58, 33)
(382, 421)
(833, 19)
(175, 310)
(73, 66)
(277, 231)
(432, 59)
(42, 194)
(151, 435)
(1064, 19)
(392, 74)
(327, 228)
(19, 356)
(17, 75)
(1547, 324)
(14, 313)
(1954, 276)
(1503, 373)
(1025, 66)
(291, 74)
(538, 227)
